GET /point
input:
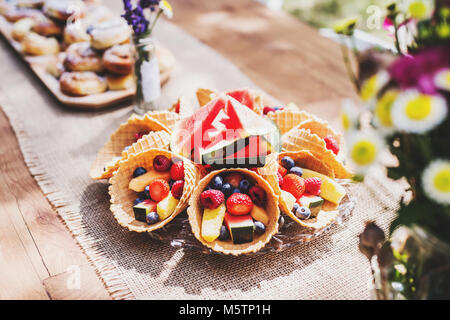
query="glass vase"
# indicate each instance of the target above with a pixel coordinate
(146, 73)
(420, 268)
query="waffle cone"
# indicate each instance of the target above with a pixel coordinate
(301, 139)
(205, 95)
(122, 197)
(287, 119)
(322, 129)
(195, 214)
(167, 118)
(303, 159)
(103, 167)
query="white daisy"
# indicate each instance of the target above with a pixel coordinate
(417, 112)
(372, 86)
(349, 115)
(436, 181)
(364, 149)
(382, 111)
(442, 79)
(166, 8)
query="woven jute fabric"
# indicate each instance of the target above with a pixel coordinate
(60, 144)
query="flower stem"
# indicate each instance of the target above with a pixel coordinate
(348, 66)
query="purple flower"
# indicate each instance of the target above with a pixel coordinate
(135, 17)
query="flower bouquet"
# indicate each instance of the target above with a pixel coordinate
(405, 98)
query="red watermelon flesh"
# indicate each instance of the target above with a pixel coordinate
(257, 146)
(243, 96)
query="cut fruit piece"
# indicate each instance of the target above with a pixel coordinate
(330, 189)
(288, 198)
(142, 209)
(138, 184)
(212, 222)
(240, 227)
(260, 214)
(314, 203)
(243, 96)
(166, 206)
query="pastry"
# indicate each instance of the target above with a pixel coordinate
(62, 10)
(35, 44)
(81, 83)
(118, 59)
(81, 57)
(13, 14)
(46, 26)
(119, 82)
(76, 32)
(21, 28)
(109, 33)
(55, 65)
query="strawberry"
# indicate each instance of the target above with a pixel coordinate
(161, 163)
(177, 189)
(212, 198)
(293, 184)
(331, 144)
(177, 171)
(258, 195)
(282, 170)
(239, 204)
(234, 179)
(158, 189)
(312, 185)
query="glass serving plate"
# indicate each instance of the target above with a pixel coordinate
(179, 235)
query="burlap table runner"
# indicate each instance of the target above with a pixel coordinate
(59, 146)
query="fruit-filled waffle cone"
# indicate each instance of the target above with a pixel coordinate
(122, 197)
(107, 159)
(287, 119)
(322, 128)
(302, 139)
(195, 213)
(167, 118)
(306, 160)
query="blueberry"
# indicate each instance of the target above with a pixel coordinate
(260, 228)
(142, 195)
(224, 233)
(152, 218)
(287, 162)
(303, 213)
(138, 200)
(236, 190)
(171, 182)
(216, 183)
(227, 189)
(147, 192)
(295, 208)
(139, 171)
(296, 170)
(244, 185)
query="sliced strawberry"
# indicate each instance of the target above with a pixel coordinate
(158, 189)
(239, 204)
(293, 184)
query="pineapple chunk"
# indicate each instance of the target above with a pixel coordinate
(260, 214)
(166, 206)
(288, 198)
(212, 222)
(330, 189)
(138, 184)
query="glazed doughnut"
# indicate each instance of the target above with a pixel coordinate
(62, 10)
(75, 32)
(81, 57)
(118, 59)
(119, 82)
(109, 33)
(21, 28)
(47, 27)
(38, 45)
(81, 83)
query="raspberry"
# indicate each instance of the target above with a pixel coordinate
(177, 189)
(293, 184)
(258, 195)
(139, 135)
(211, 198)
(158, 189)
(234, 179)
(312, 185)
(239, 204)
(177, 171)
(161, 163)
(282, 170)
(331, 144)
(267, 109)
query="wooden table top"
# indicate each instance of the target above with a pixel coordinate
(283, 56)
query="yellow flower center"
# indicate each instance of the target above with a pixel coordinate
(369, 88)
(417, 9)
(346, 122)
(364, 152)
(383, 108)
(167, 5)
(419, 108)
(442, 180)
